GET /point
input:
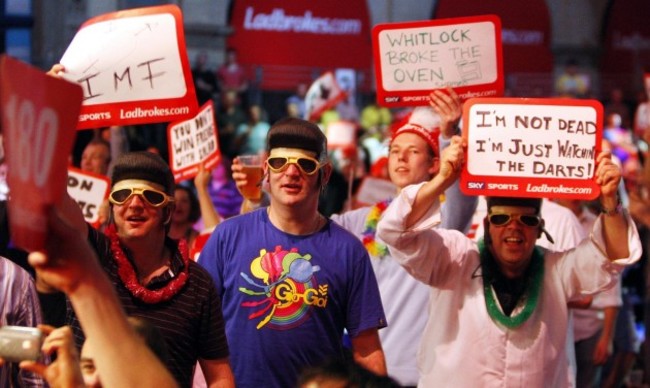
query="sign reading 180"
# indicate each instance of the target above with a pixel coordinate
(39, 133)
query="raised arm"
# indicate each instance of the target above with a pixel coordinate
(451, 162)
(211, 217)
(449, 107)
(458, 208)
(70, 264)
(614, 222)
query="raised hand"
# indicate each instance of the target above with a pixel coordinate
(449, 108)
(452, 159)
(608, 177)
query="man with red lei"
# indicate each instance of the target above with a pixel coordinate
(153, 275)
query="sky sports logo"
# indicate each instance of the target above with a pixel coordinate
(492, 186)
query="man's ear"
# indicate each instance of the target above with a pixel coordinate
(170, 210)
(486, 232)
(265, 172)
(111, 218)
(327, 173)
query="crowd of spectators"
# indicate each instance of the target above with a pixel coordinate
(243, 123)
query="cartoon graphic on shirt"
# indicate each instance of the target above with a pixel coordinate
(289, 288)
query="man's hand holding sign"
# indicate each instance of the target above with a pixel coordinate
(38, 123)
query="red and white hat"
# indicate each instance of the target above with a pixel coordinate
(424, 122)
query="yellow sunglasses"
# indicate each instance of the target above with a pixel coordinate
(153, 197)
(306, 164)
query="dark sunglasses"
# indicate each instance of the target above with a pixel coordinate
(280, 163)
(500, 219)
(154, 198)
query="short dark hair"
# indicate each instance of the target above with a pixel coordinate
(345, 371)
(535, 203)
(146, 166)
(292, 132)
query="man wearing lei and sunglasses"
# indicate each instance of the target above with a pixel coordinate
(498, 310)
(153, 275)
(291, 280)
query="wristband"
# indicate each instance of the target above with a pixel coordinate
(611, 212)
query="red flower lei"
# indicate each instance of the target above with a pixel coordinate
(129, 278)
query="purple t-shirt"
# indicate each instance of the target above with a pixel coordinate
(287, 299)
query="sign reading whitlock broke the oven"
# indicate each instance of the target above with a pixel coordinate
(412, 59)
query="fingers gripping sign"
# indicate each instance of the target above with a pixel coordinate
(608, 174)
(448, 106)
(453, 159)
(38, 123)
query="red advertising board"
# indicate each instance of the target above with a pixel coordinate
(133, 68)
(414, 58)
(525, 30)
(38, 124)
(626, 47)
(285, 42)
(519, 147)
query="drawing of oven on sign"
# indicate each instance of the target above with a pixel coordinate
(469, 70)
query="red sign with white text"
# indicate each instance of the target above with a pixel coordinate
(38, 124)
(133, 68)
(519, 147)
(192, 143)
(414, 58)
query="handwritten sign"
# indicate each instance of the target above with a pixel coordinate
(192, 143)
(413, 58)
(38, 125)
(89, 190)
(532, 147)
(133, 68)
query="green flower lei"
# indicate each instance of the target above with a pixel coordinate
(532, 291)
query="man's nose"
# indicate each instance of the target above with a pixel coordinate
(136, 200)
(292, 169)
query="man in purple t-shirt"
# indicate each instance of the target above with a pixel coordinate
(290, 280)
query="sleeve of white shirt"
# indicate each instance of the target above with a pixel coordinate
(429, 254)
